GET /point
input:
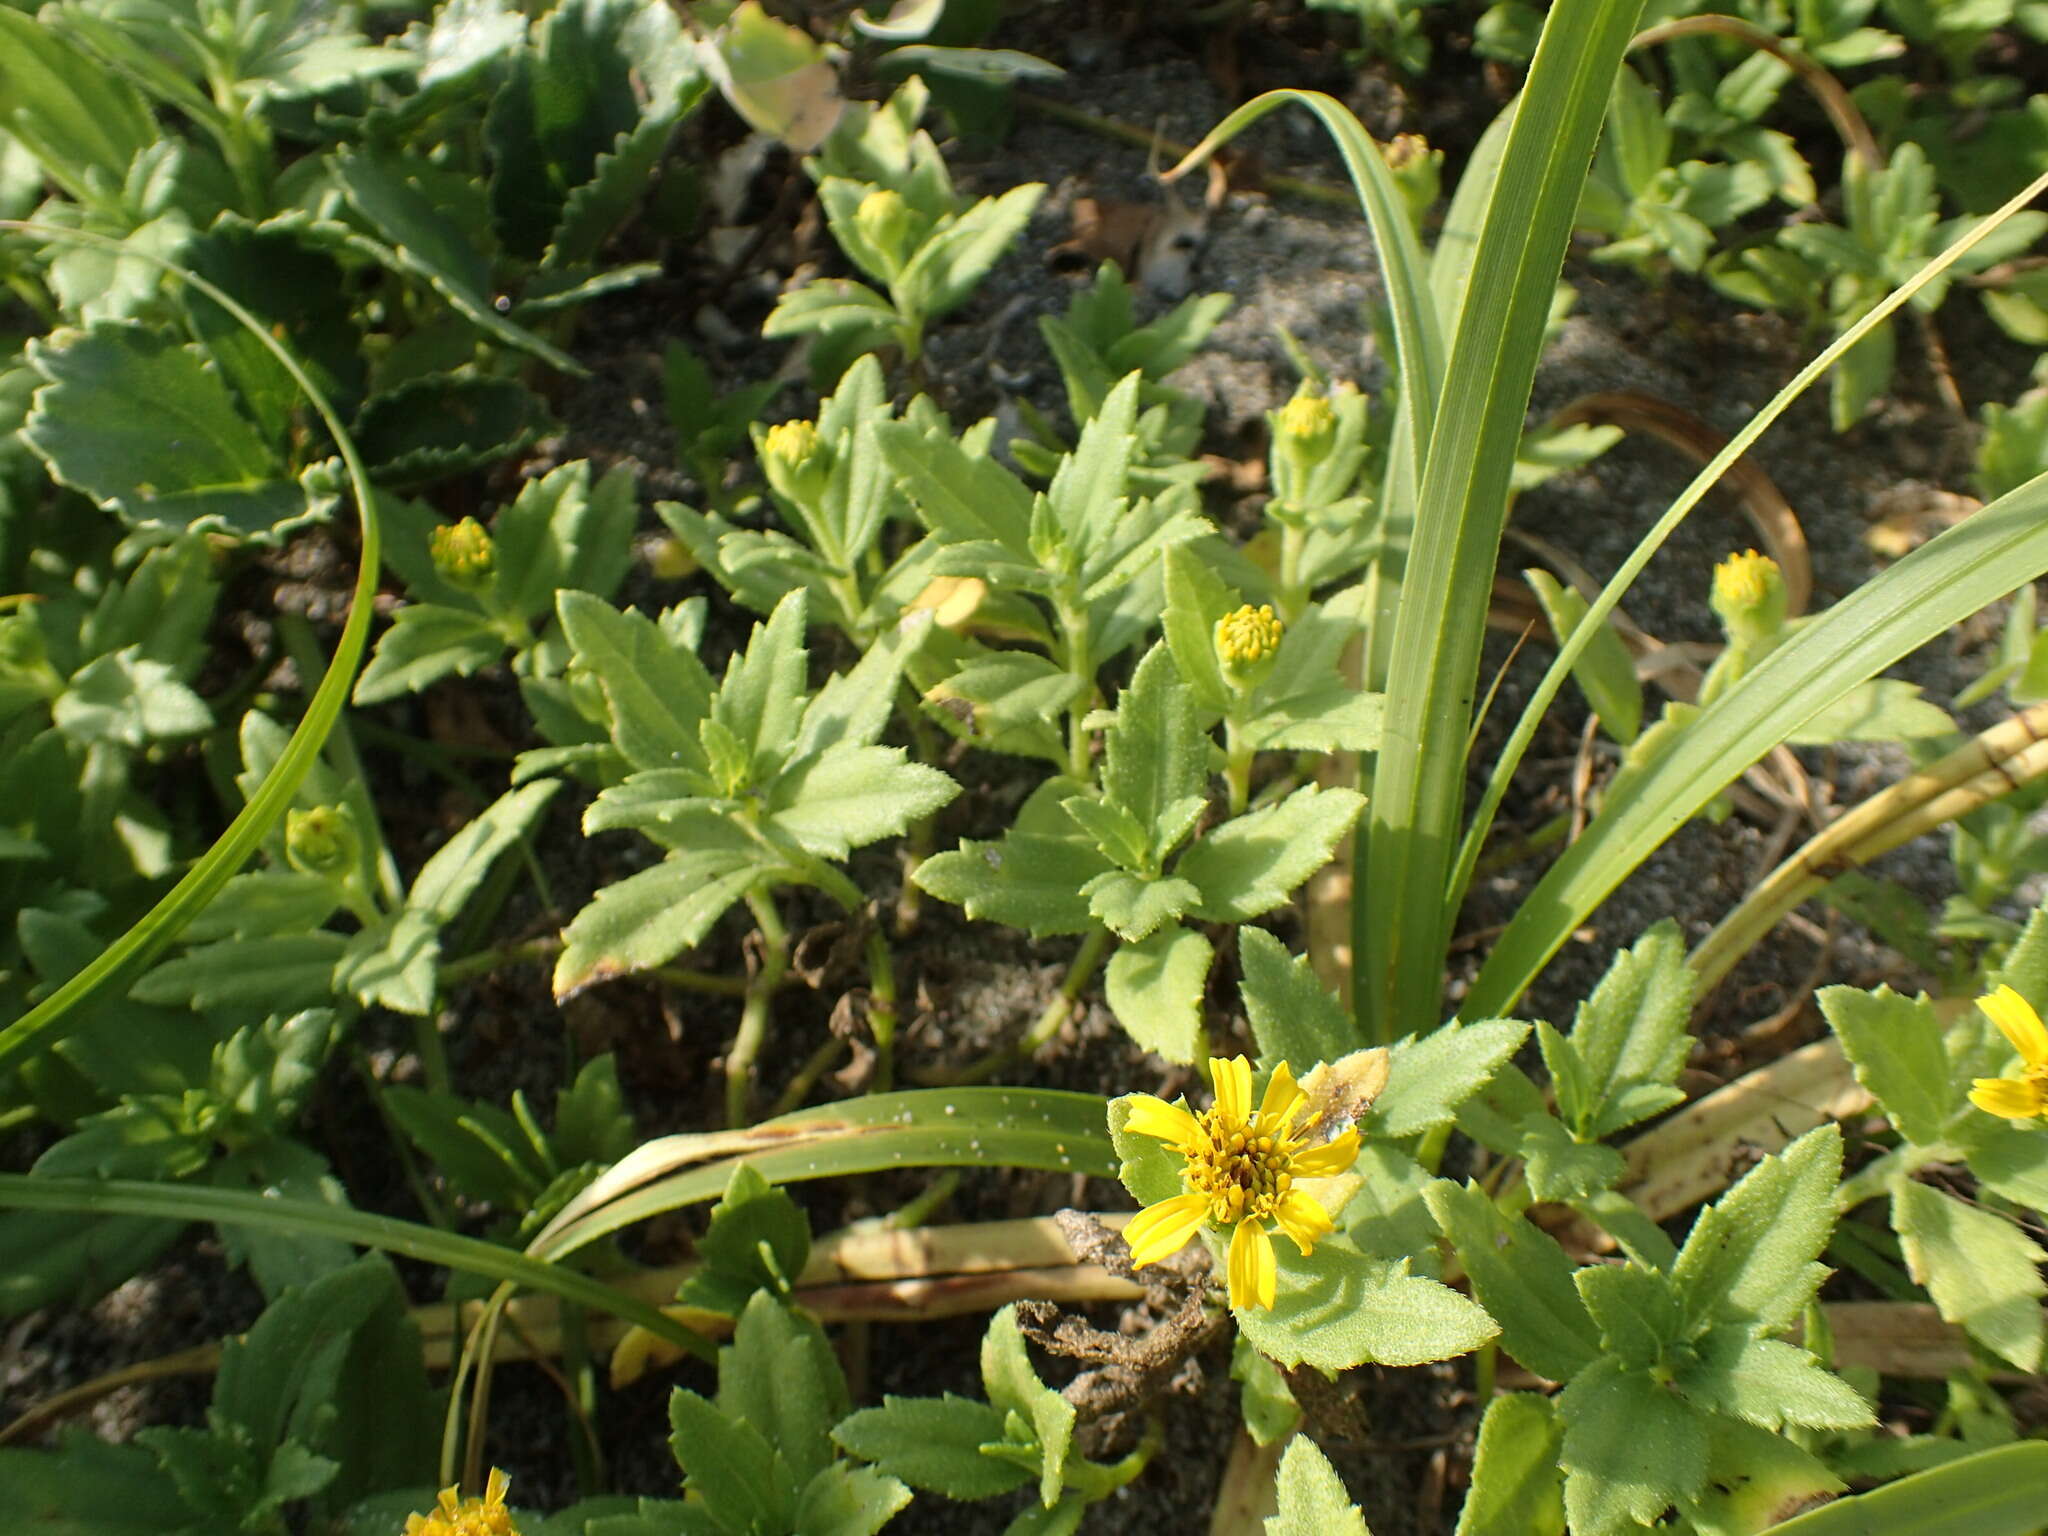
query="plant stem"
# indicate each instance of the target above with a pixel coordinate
(585, 1453)
(882, 1010)
(1073, 621)
(753, 1030)
(1237, 767)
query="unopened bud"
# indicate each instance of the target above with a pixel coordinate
(464, 555)
(321, 841)
(884, 218)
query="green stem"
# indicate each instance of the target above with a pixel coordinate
(1073, 621)
(753, 1030)
(1874, 1180)
(882, 1010)
(1292, 595)
(585, 1454)
(1237, 767)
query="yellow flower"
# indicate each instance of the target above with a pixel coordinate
(2024, 1097)
(1308, 419)
(1247, 635)
(1749, 596)
(464, 555)
(1242, 1168)
(793, 442)
(486, 1516)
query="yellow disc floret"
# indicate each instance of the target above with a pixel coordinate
(1247, 635)
(486, 1516)
(1308, 418)
(1242, 1168)
(793, 442)
(464, 555)
(1744, 580)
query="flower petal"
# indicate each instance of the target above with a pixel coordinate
(1169, 1122)
(2006, 1097)
(1333, 1156)
(1253, 1269)
(1303, 1218)
(1162, 1229)
(1232, 1080)
(1282, 1093)
(2017, 1021)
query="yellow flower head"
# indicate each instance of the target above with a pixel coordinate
(793, 442)
(463, 554)
(2024, 1097)
(1247, 635)
(486, 1516)
(1242, 1169)
(1308, 419)
(1749, 595)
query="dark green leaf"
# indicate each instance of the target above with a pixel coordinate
(445, 424)
(745, 1486)
(779, 1375)
(933, 1443)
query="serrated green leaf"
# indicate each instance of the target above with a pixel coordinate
(849, 1501)
(1750, 1256)
(1155, 758)
(1087, 491)
(1430, 1076)
(1630, 1032)
(1636, 1311)
(933, 1443)
(1982, 1270)
(1894, 1043)
(1769, 1383)
(84, 123)
(1252, 863)
(779, 1375)
(1631, 1449)
(425, 643)
(959, 496)
(1195, 599)
(758, 1239)
(1147, 1167)
(1134, 908)
(646, 919)
(1294, 1018)
(847, 797)
(295, 1347)
(1155, 990)
(959, 254)
(444, 424)
(450, 877)
(1310, 1496)
(658, 694)
(1883, 710)
(127, 700)
(1753, 1477)
(1562, 1169)
(727, 1463)
(142, 426)
(1523, 1278)
(392, 964)
(1335, 1308)
(286, 973)
(1025, 881)
(1013, 1387)
(564, 532)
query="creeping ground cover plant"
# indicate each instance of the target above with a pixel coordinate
(460, 960)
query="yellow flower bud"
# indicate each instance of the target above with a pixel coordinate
(1247, 639)
(794, 443)
(884, 218)
(1308, 420)
(464, 554)
(321, 841)
(1749, 597)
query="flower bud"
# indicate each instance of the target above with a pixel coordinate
(1749, 598)
(322, 841)
(796, 461)
(884, 218)
(464, 555)
(1418, 172)
(1247, 640)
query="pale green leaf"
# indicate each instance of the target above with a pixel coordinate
(1252, 863)
(1632, 1448)
(1982, 1270)
(1517, 1484)
(1895, 1045)
(1750, 1256)
(1155, 990)
(1311, 1496)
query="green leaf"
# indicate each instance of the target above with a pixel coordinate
(418, 240)
(1522, 1277)
(776, 76)
(392, 964)
(1025, 881)
(1895, 1045)
(1769, 1383)
(1335, 1308)
(1993, 1493)
(1293, 1017)
(450, 877)
(1753, 1477)
(1632, 1448)
(727, 1463)
(87, 1487)
(1155, 758)
(592, 1123)
(758, 1240)
(961, 497)
(1147, 1167)
(1013, 1387)
(562, 532)
(761, 698)
(1982, 1270)
(285, 973)
(658, 693)
(852, 707)
(1134, 908)
(1087, 491)
(847, 797)
(1636, 1311)
(1252, 863)
(66, 1257)
(646, 919)
(425, 643)
(1268, 1408)
(444, 424)
(1195, 599)
(84, 123)
(1155, 989)
(287, 1363)
(127, 700)
(1630, 1033)
(849, 1501)
(828, 305)
(1516, 1487)
(933, 1443)
(779, 1375)
(1750, 1256)
(477, 1146)
(1605, 672)
(1562, 1169)
(1430, 1076)
(958, 254)
(146, 429)
(1311, 1497)
(1883, 710)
